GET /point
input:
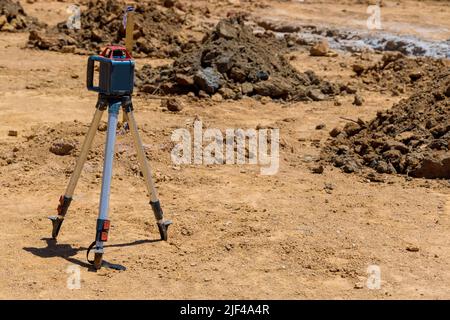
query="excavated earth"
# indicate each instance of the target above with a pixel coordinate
(397, 73)
(410, 138)
(156, 31)
(231, 62)
(13, 17)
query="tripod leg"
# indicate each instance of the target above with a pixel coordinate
(162, 224)
(102, 221)
(66, 199)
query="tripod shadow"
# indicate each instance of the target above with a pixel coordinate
(65, 251)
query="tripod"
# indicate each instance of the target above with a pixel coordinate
(112, 103)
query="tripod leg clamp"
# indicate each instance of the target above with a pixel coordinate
(101, 235)
(102, 230)
(163, 225)
(64, 203)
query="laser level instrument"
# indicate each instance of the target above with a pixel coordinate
(115, 87)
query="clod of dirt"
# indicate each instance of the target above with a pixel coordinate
(13, 17)
(321, 126)
(155, 33)
(320, 49)
(234, 61)
(399, 74)
(62, 147)
(358, 101)
(411, 138)
(318, 170)
(172, 105)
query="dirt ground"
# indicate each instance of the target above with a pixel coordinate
(236, 234)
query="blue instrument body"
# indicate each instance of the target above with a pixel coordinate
(116, 72)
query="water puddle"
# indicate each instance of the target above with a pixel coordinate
(358, 40)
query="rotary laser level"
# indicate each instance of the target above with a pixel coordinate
(116, 82)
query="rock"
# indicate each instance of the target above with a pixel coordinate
(396, 145)
(265, 100)
(271, 88)
(405, 136)
(415, 75)
(224, 30)
(412, 249)
(169, 3)
(102, 127)
(208, 80)
(227, 93)
(358, 101)
(172, 104)
(62, 147)
(12, 133)
(320, 49)
(385, 167)
(373, 177)
(203, 95)
(279, 26)
(96, 35)
(392, 154)
(184, 80)
(238, 74)
(335, 132)
(358, 68)
(316, 95)
(3, 20)
(352, 128)
(262, 75)
(391, 57)
(7, 27)
(318, 170)
(350, 89)
(224, 64)
(433, 168)
(320, 126)
(350, 166)
(68, 49)
(247, 88)
(217, 97)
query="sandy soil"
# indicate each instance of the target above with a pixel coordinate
(236, 234)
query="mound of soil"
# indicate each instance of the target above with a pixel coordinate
(155, 32)
(233, 61)
(13, 17)
(399, 74)
(53, 150)
(411, 138)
